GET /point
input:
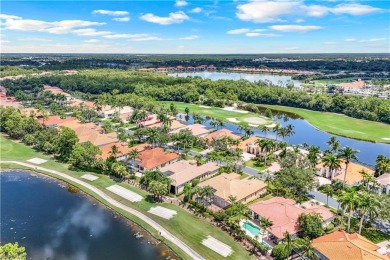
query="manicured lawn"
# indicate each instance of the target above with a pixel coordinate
(243, 176)
(187, 227)
(342, 125)
(196, 149)
(218, 113)
(253, 164)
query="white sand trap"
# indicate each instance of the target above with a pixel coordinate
(253, 125)
(125, 193)
(204, 106)
(233, 109)
(270, 126)
(255, 120)
(37, 160)
(386, 138)
(89, 177)
(217, 246)
(162, 212)
(233, 119)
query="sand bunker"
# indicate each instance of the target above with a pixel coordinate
(233, 109)
(233, 119)
(204, 106)
(386, 138)
(270, 126)
(255, 120)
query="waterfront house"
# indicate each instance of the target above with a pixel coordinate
(153, 158)
(182, 172)
(354, 176)
(220, 134)
(341, 245)
(226, 185)
(123, 150)
(284, 214)
(196, 129)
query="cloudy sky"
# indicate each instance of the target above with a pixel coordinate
(251, 26)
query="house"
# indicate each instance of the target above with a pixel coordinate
(341, 245)
(384, 183)
(196, 129)
(183, 172)
(354, 176)
(174, 124)
(226, 185)
(152, 159)
(56, 91)
(54, 121)
(148, 121)
(353, 85)
(220, 134)
(108, 111)
(123, 150)
(290, 149)
(249, 145)
(90, 132)
(284, 214)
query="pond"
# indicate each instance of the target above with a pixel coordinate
(252, 77)
(52, 221)
(306, 133)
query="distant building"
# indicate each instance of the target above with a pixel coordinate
(341, 245)
(196, 129)
(384, 183)
(220, 134)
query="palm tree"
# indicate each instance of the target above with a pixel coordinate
(276, 129)
(208, 193)
(306, 249)
(349, 201)
(187, 192)
(114, 151)
(232, 200)
(313, 154)
(328, 190)
(369, 205)
(240, 210)
(133, 155)
(367, 179)
(264, 129)
(333, 162)
(289, 130)
(334, 144)
(265, 145)
(288, 243)
(265, 223)
(348, 154)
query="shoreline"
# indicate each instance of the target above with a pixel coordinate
(134, 219)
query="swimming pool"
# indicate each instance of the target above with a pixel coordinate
(253, 229)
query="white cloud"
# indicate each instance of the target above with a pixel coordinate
(350, 40)
(373, 40)
(315, 10)
(254, 34)
(147, 38)
(190, 38)
(56, 27)
(125, 36)
(90, 32)
(299, 20)
(295, 28)
(263, 11)
(6, 16)
(259, 30)
(196, 10)
(354, 9)
(34, 39)
(330, 43)
(121, 19)
(180, 3)
(177, 17)
(92, 41)
(239, 31)
(111, 13)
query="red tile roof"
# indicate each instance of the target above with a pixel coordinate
(152, 158)
(55, 120)
(284, 214)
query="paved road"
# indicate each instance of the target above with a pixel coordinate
(117, 204)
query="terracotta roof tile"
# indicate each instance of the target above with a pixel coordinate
(152, 158)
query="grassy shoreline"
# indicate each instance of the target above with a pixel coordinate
(187, 227)
(341, 125)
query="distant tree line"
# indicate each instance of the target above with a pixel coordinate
(217, 93)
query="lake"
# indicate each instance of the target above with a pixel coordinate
(306, 133)
(252, 77)
(53, 222)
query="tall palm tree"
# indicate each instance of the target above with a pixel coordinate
(334, 144)
(306, 249)
(265, 145)
(333, 162)
(265, 223)
(114, 151)
(241, 210)
(276, 129)
(288, 243)
(313, 154)
(328, 190)
(369, 205)
(368, 179)
(133, 155)
(289, 130)
(264, 129)
(349, 201)
(208, 193)
(348, 154)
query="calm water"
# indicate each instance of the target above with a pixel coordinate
(273, 78)
(53, 223)
(306, 133)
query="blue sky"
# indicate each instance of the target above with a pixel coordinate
(251, 26)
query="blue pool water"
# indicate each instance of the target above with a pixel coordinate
(254, 230)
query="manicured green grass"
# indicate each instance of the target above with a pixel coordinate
(216, 112)
(243, 176)
(196, 149)
(254, 164)
(342, 125)
(187, 227)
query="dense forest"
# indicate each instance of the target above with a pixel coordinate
(321, 62)
(194, 90)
